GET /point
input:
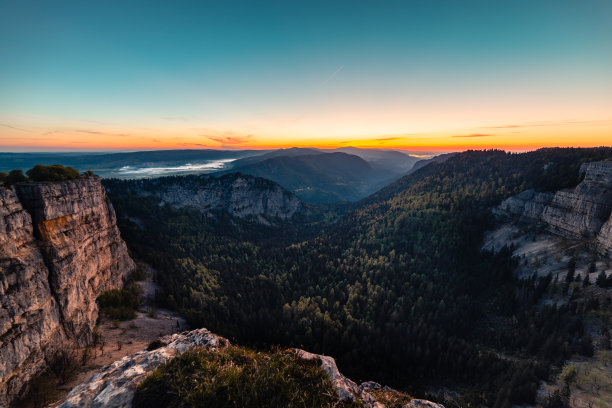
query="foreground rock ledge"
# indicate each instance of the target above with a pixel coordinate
(115, 385)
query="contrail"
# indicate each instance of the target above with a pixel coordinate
(332, 75)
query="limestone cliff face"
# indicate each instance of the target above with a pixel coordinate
(604, 238)
(59, 249)
(583, 212)
(240, 195)
(29, 314)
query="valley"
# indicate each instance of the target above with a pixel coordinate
(439, 271)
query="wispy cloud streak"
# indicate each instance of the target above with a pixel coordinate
(13, 127)
(474, 135)
(333, 75)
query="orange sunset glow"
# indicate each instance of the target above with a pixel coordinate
(525, 136)
(413, 77)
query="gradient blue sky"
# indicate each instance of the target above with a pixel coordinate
(443, 74)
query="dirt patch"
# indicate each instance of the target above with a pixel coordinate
(120, 339)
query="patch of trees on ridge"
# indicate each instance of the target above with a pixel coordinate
(40, 173)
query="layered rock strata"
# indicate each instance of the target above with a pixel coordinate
(59, 249)
(115, 385)
(242, 196)
(583, 212)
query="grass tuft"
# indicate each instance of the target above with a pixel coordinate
(238, 377)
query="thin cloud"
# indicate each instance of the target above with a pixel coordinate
(176, 118)
(20, 138)
(385, 139)
(13, 127)
(95, 132)
(90, 132)
(333, 75)
(603, 122)
(85, 131)
(474, 135)
(230, 140)
(503, 127)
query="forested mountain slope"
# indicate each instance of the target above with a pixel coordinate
(398, 289)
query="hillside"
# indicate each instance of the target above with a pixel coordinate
(326, 177)
(392, 161)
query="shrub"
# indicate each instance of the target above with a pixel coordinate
(39, 391)
(138, 274)
(155, 344)
(237, 377)
(15, 176)
(120, 304)
(64, 364)
(55, 172)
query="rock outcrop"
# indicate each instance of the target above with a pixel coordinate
(604, 238)
(583, 212)
(242, 196)
(115, 385)
(59, 249)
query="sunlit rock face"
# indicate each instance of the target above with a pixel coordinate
(579, 213)
(115, 385)
(59, 249)
(80, 241)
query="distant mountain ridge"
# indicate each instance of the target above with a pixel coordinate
(392, 161)
(345, 174)
(320, 177)
(110, 164)
(156, 163)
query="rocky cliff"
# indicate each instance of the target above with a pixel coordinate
(240, 195)
(115, 385)
(59, 249)
(583, 212)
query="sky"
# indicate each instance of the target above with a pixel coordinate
(413, 74)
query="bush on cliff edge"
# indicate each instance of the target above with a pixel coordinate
(54, 172)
